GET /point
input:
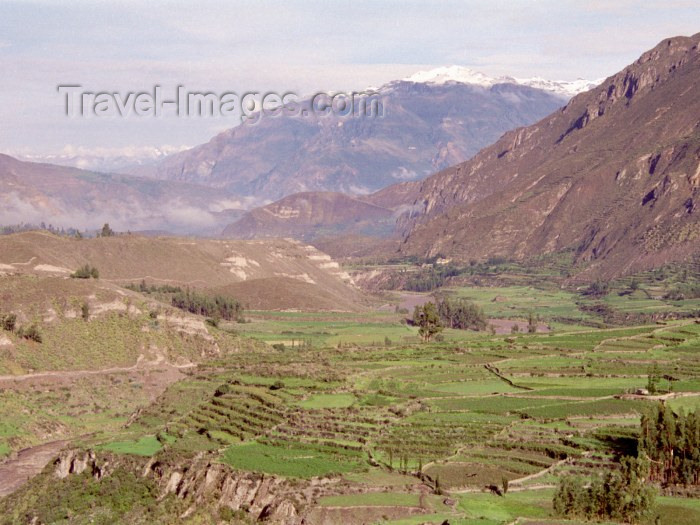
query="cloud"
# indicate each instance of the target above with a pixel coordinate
(175, 215)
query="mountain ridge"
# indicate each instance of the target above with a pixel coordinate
(600, 176)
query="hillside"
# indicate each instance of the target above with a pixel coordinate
(73, 198)
(425, 126)
(307, 215)
(310, 215)
(614, 176)
(186, 262)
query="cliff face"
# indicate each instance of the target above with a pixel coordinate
(614, 175)
(203, 482)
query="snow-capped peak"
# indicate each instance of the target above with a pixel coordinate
(465, 75)
(443, 75)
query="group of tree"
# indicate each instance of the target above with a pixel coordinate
(621, 495)
(431, 318)
(8, 322)
(154, 288)
(215, 307)
(86, 272)
(672, 443)
(26, 227)
(461, 314)
(431, 277)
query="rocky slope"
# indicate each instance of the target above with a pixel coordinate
(614, 175)
(425, 126)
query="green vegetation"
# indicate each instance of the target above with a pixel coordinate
(460, 314)
(466, 426)
(300, 461)
(8, 322)
(428, 321)
(145, 446)
(217, 306)
(86, 272)
(672, 442)
(619, 496)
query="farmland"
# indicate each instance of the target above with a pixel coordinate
(349, 415)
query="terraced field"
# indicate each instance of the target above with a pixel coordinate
(365, 424)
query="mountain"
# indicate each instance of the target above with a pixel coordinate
(424, 126)
(310, 215)
(614, 176)
(105, 160)
(464, 75)
(69, 197)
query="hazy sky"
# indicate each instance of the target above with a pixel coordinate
(288, 45)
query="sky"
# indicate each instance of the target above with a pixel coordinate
(288, 45)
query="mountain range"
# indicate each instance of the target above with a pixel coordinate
(424, 126)
(614, 176)
(73, 198)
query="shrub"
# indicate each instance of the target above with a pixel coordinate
(32, 333)
(85, 272)
(9, 322)
(222, 390)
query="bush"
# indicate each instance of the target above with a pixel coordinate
(85, 272)
(222, 390)
(32, 333)
(9, 322)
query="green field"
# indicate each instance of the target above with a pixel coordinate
(354, 418)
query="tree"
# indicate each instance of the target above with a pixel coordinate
(623, 495)
(653, 379)
(428, 321)
(532, 323)
(85, 311)
(461, 314)
(106, 231)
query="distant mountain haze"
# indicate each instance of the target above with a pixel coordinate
(431, 121)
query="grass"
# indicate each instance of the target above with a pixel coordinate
(328, 401)
(297, 461)
(533, 504)
(339, 399)
(373, 499)
(145, 446)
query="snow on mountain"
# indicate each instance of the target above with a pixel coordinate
(101, 158)
(465, 75)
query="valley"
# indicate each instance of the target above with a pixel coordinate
(344, 415)
(461, 294)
